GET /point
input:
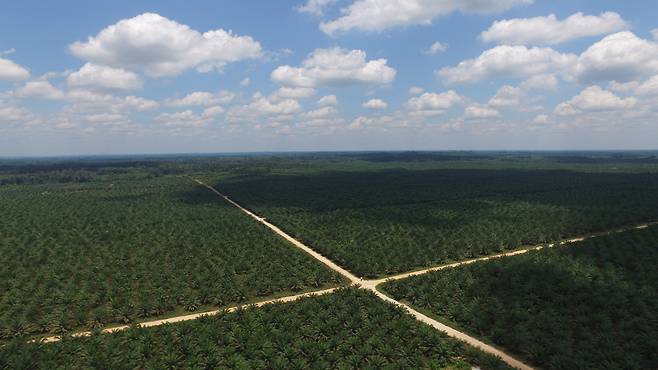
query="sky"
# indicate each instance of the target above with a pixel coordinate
(173, 76)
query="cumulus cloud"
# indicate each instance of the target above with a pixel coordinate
(202, 98)
(294, 92)
(594, 99)
(328, 101)
(540, 82)
(94, 76)
(620, 57)
(541, 119)
(11, 114)
(436, 48)
(39, 89)
(315, 7)
(262, 106)
(138, 103)
(654, 33)
(183, 119)
(322, 112)
(415, 90)
(375, 104)
(549, 30)
(477, 111)
(506, 61)
(432, 103)
(245, 82)
(649, 87)
(623, 87)
(335, 67)
(379, 15)
(363, 122)
(92, 101)
(162, 47)
(10, 71)
(506, 97)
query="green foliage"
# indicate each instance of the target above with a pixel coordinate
(87, 255)
(590, 305)
(393, 221)
(350, 329)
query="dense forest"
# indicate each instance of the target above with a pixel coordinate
(87, 255)
(589, 305)
(383, 222)
(350, 329)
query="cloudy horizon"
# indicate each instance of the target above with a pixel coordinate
(322, 75)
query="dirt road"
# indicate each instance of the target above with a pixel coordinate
(371, 285)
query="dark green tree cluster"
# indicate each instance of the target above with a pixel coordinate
(76, 256)
(589, 305)
(351, 329)
(393, 221)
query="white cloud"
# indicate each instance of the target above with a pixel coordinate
(540, 82)
(506, 97)
(100, 77)
(335, 67)
(623, 87)
(415, 90)
(594, 99)
(375, 104)
(649, 87)
(432, 103)
(508, 61)
(363, 122)
(138, 103)
(245, 82)
(162, 47)
(202, 98)
(477, 111)
(7, 52)
(551, 31)
(322, 112)
(39, 89)
(315, 7)
(294, 92)
(212, 111)
(86, 101)
(14, 114)
(654, 33)
(620, 57)
(183, 119)
(10, 71)
(541, 119)
(262, 106)
(328, 101)
(436, 48)
(379, 15)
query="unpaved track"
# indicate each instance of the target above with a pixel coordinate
(329, 263)
(371, 285)
(511, 253)
(194, 316)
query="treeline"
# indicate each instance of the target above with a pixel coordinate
(392, 221)
(57, 172)
(86, 256)
(588, 305)
(350, 329)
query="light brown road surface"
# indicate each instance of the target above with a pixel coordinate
(509, 254)
(371, 285)
(329, 263)
(194, 316)
(511, 361)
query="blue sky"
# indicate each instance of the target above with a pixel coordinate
(80, 77)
